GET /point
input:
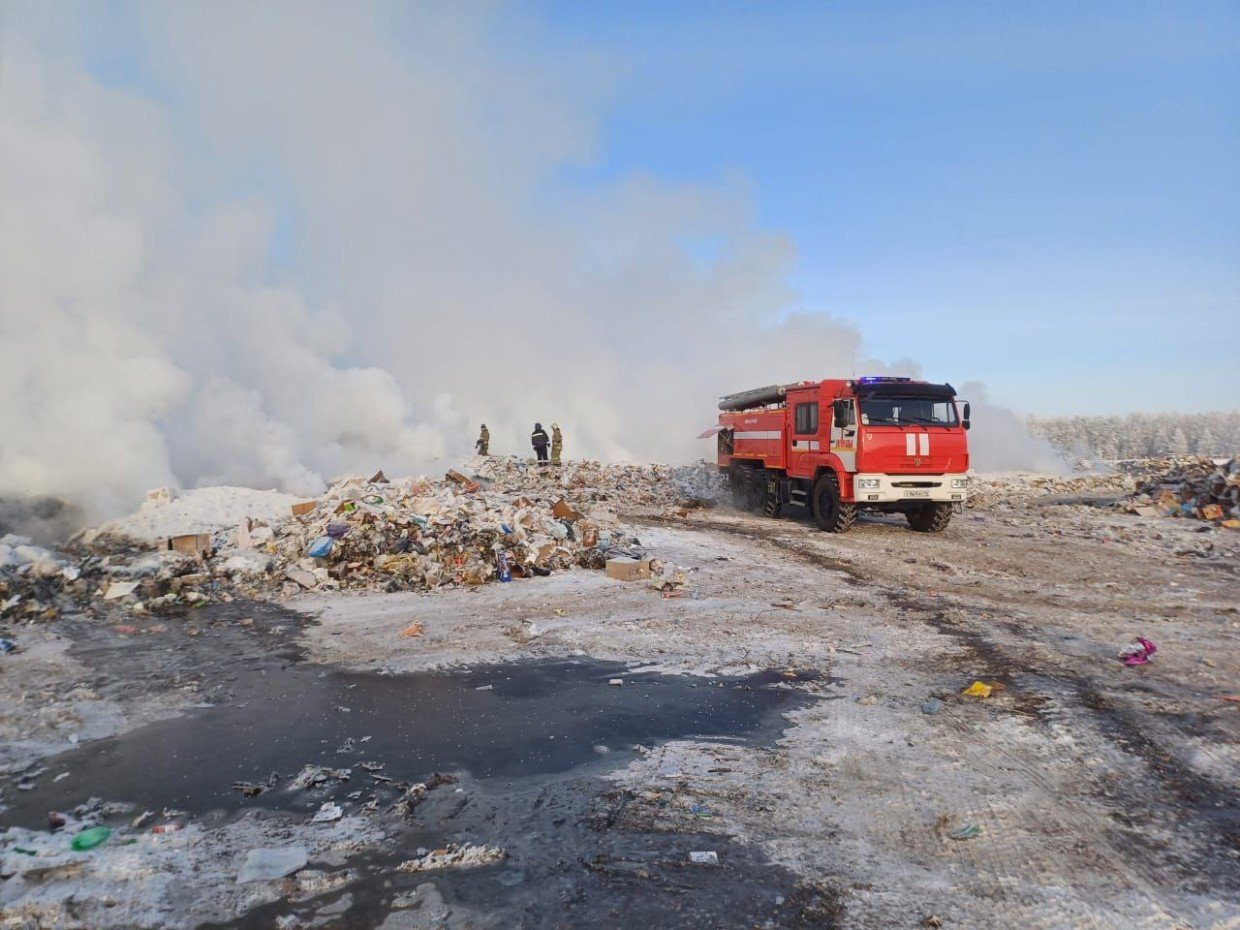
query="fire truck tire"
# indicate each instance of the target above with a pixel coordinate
(930, 518)
(748, 489)
(738, 480)
(832, 514)
(770, 505)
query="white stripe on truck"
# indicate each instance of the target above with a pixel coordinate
(758, 434)
(924, 440)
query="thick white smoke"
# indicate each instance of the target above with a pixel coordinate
(999, 440)
(301, 240)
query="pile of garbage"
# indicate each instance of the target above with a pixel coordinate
(495, 519)
(989, 491)
(1199, 488)
(624, 487)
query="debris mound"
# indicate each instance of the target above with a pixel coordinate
(496, 518)
(1199, 488)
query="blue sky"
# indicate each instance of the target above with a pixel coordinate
(1042, 196)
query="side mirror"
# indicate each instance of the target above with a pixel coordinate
(841, 408)
(964, 415)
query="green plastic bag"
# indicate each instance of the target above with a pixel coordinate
(89, 839)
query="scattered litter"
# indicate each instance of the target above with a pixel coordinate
(119, 589)
(706, 857)
(321, 548)
(981, 689)
(7, 646)
(413, 629)
(90, 838)
(967, 832)
(626, 569)
(328, 813)
(484, 687)
(263, 865)
(615, 681)
(452, 856)
(189, 543)
(1138, 652)
(315, 775)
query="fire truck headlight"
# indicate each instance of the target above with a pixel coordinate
(867, 484)
(960, 482)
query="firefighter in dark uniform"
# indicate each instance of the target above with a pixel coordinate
(539, 440)
(483, 445)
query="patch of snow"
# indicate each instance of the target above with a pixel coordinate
(203, 510)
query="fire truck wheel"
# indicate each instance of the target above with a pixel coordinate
(748, 489)
(739, 479)
(832, 514)
(930, 518)
(770, 505)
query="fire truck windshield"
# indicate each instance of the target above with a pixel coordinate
(908, 411)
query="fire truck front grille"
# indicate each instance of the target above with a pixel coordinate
(917, 484)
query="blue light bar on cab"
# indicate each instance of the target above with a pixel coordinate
(881, 379)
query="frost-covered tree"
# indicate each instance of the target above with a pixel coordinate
(1142, 435)
(1179, 442)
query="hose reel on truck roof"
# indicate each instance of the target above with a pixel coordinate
(758, 397)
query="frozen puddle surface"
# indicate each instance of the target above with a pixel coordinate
(504, 721)
(525, 748)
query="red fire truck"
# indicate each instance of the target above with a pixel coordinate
(834, 447)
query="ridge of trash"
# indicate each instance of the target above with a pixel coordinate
(496, 517)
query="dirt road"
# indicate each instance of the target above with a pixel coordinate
(1083, 792)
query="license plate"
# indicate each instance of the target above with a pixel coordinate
(917, 493)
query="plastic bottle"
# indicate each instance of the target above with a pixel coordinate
(90, 838)
(504, 573)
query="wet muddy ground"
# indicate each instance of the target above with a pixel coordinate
(516, 756)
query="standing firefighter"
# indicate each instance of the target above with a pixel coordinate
(538, 439)
(483, 445)
(557, 443)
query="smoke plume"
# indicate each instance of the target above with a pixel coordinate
(276, 243)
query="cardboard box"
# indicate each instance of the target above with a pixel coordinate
(467, 483)
(628, 569)
(301, 508)
(190, 543)
(562, 511)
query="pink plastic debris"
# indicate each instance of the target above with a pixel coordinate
(1138, 652)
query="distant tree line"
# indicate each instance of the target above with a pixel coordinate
(1142, 435)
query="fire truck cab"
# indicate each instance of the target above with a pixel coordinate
(836, 446)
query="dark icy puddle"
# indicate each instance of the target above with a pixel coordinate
(494, 721)
(529, 744)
